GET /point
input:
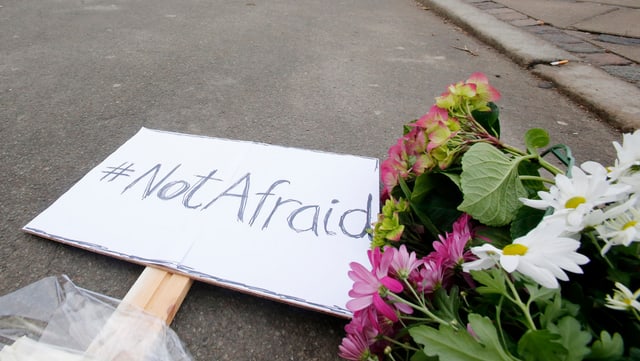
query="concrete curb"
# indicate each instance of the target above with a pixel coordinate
(611, 98)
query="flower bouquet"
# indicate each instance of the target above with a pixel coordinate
(483, 251)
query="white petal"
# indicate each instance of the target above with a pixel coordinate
(535, 203)
(485, 250)
(541, 276)
(479, 264)
(564, 183)
(509, 263)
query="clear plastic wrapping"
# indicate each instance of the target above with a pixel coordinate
(53, 319)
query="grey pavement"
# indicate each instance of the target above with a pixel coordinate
(79, 78)
(599, 39)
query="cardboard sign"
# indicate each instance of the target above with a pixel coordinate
(278, 222)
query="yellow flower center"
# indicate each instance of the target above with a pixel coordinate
(629, 225)
(514, 249)
(575, 202)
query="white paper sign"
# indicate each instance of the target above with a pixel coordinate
(278, 222)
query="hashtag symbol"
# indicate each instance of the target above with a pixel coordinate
(122, 170)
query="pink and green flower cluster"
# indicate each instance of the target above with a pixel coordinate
(436, 139)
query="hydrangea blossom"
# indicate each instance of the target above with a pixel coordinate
(408, 157)
(388, 228)
(464, 97)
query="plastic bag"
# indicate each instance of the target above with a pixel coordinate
(53, 319)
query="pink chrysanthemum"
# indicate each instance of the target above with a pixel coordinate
(370, 287)
(451, 247)
(430, 275)
(355, 347)
(403, 263)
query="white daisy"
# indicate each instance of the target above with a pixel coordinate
(623, 299)
(628, 154)
(574, 198)
(628, 160)
(543, 255)
(622, 229)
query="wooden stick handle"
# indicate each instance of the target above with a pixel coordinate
(159, 292)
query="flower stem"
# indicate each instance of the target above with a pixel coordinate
(597, 245)
(403, 345)
(516, 299)
(548, 166)
(535, 178)
(421, 307)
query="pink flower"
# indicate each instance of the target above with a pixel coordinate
(370, 322)
(415, 144)
(365, 322)
(355, 346)
(370, 287)
(431, 275)
(403, 263)
(451, 247)
(473, 94)
(455, 92)
(396, 165)
(483, 89)
(438, 126)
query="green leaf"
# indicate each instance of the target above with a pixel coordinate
(446, 305)
(489, 119)
(487, 334)
(556, 309)
(448, 344)
(490, 185)
(454, 177)
(423, 185)
(541, 345)
(436, 198)
(492, 280)
(526, 219)
(573, 338)
(529, 168)
(539, 293)
(420, 356)
(552, 311)
(405, 188)
(607, 347)
(536, 138)
(423, 217)
(498, 236)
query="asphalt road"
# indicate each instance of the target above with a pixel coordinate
(80, 77)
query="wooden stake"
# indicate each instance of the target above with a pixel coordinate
(159, 292)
